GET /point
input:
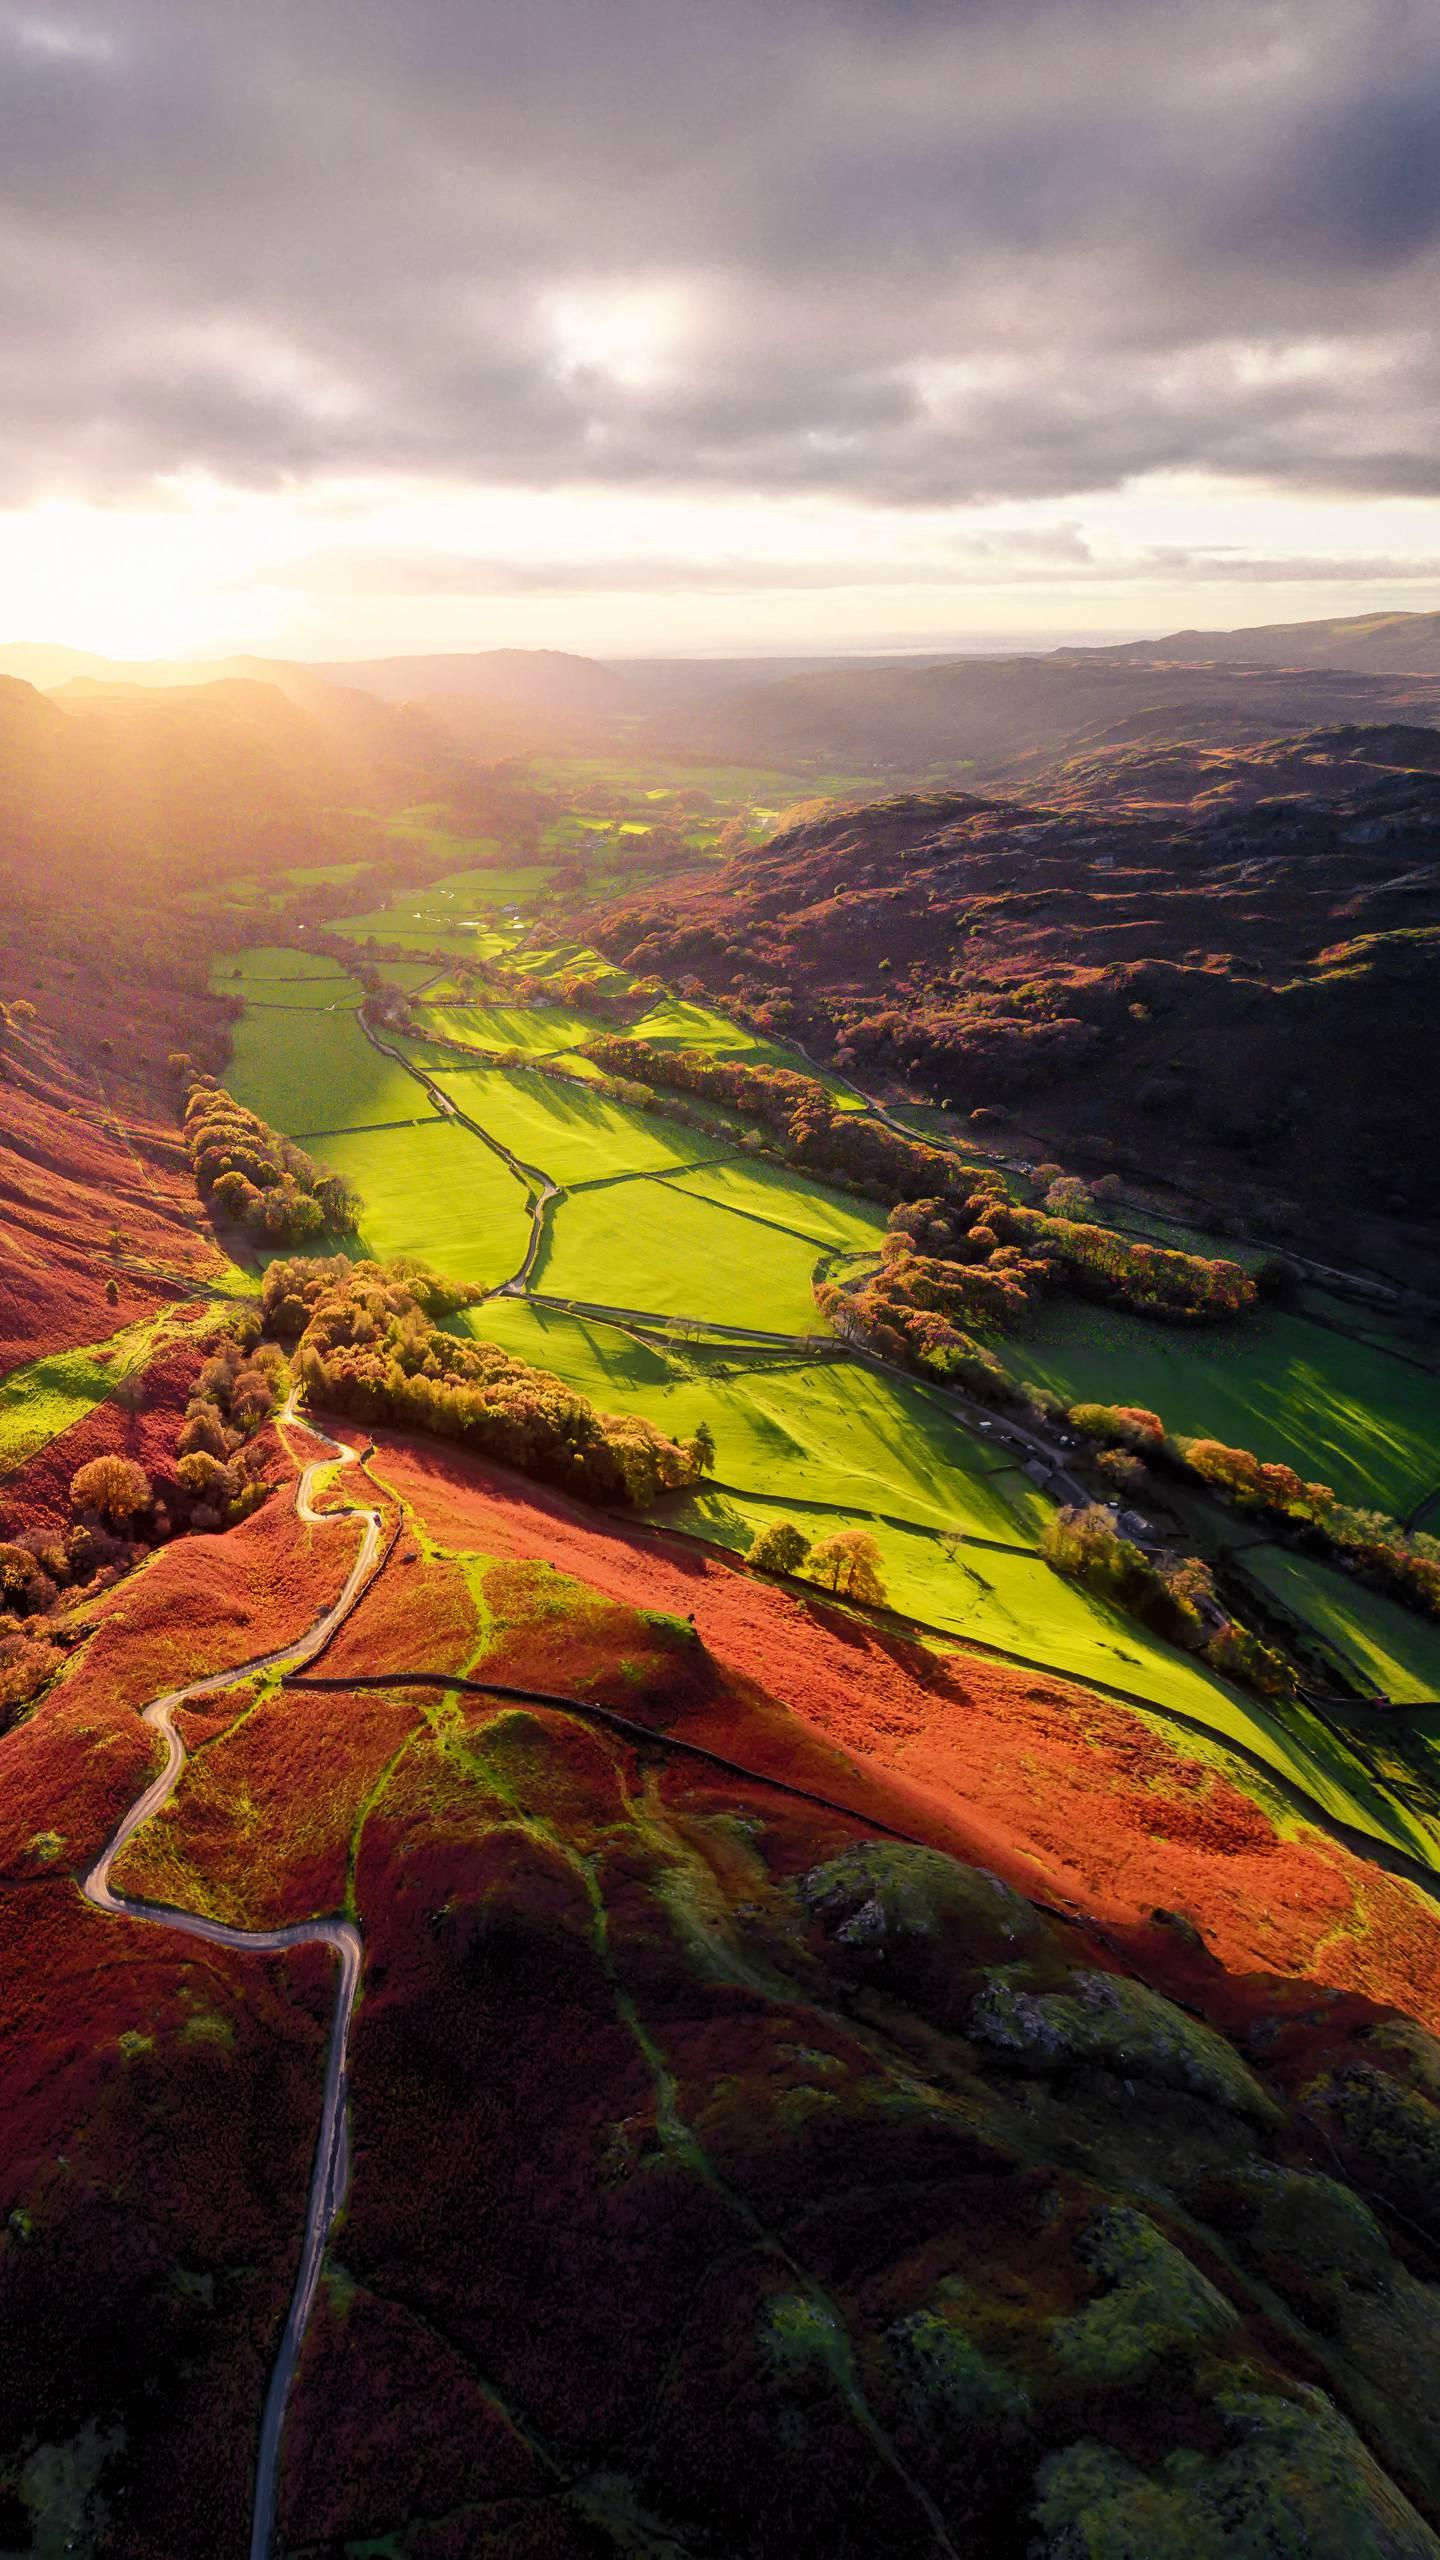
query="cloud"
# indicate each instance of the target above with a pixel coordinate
(915, 252)
(362, 569)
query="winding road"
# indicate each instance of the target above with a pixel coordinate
(330, 2171)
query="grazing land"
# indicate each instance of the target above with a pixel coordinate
(1383, 1648)
(436, 1189)
(640, 1245)
(782, 1198)
(574, 1136)
(542, 1030)
(1364, 1420)
(310, 1073)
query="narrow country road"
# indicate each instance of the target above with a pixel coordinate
(329, 2174)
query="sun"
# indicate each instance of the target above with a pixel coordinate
(148, 582)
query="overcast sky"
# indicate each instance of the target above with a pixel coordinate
(337, 326)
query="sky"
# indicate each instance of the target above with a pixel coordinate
(332, 328)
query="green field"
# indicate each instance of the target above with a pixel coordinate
(786, 1199)
(434, 1190)
(675, 1023)
(308, 1073)
(1384, 1647)
(41, 1400)
(408, 974)
(285, 981)
(540, 1030)
(399, 926)
(822, 1434)
(834, 1446)
(267, 964)
(568, 959)
(317, 875)
(488, 885)
(657, 778)
(642, 1244)
(572, 1135)
(1362, 1421)
(417, 826)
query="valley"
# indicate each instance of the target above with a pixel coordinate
(879, 1627)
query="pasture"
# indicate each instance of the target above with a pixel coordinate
(285, 981)
(833, 1446)
(1386, 1649)
(677, 1023)
(782, 1198)
(542, 1031)
(641, 1244)
(572, 1135)
(1363, 1420)
(267, 964)
(435, 1190)
(827, 1435)
(310, 1073)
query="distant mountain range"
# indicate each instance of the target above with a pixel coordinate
(1374, 643)
(102, 760)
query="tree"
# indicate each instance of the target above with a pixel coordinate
(112, 1291)
(849, 1562)
(779, 1548)
(206, 1479)
(116, 1487)
(204, 1429)
(340, 1201)
(701, 1448)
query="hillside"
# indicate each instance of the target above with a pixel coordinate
(1379, 643)
(110, 782)
(993, 714)
(1171, 963)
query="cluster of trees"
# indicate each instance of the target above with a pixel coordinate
(369, 1345)
(846, 1146)
(1001, 1252)
(1150, 1279)
(848, 1562)
(256, 1176)
(234, 1396)
(1405, 1563)
(970, 1041)
(1175, 1597)
(120, 1513)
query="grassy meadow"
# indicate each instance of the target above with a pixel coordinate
(1361, 1419)
(541, 1031)
(1386, 1649)
(642, 1244)
(572, 1135)
(781, 1198)
(436, 1190)
(310, 1073)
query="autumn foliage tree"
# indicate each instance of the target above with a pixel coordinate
(779, 1548)
(258, 1177)
(369, 1345)
(849, 1563)
(115, 1487)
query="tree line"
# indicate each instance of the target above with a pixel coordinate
(1405, 1563)
(370, 1341)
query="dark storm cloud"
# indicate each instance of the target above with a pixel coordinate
(909, 252)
